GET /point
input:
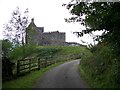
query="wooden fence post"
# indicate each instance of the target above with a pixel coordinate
(38, 63)
(45, 63)
(18, 67)
(29, 65)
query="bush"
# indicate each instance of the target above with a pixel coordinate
(18, 52)
(7, 47)
(101, 66)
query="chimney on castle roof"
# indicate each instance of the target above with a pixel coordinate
(32, 20)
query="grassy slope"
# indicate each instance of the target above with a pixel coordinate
(65, 50)
(43, 51)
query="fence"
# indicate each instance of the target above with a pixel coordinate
(28, 65)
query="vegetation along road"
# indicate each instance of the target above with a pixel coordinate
(62, 76)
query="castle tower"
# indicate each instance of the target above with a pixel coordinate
(33, 33)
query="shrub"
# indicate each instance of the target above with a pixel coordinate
(18, 52)
(101, 66)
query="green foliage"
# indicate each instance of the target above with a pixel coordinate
(18, 53)
(100, 68)
(98, 16)
(7, 47)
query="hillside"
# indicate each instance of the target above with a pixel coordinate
(63, 52)
(49, 52)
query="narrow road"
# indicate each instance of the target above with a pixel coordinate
(63, 76)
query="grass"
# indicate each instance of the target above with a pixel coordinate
(102, 83)
(85, 76)
(64, 50)
(28, 80)
(46, 51)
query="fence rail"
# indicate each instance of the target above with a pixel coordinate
(28, 65)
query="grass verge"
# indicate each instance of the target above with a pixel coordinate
(94, 83)
(28, 80)
(85, 76)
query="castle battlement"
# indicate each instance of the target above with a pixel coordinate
(57, 32)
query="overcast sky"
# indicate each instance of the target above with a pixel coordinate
(46, 13)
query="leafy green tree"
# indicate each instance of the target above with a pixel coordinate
(98, 16)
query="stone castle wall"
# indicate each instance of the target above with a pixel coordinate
(53, 38)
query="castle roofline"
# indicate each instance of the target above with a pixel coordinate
(54, 32)
(40, 27)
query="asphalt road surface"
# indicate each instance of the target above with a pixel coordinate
(63, 76)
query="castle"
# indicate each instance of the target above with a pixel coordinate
(36, 36)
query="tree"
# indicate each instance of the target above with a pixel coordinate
(103, 16)
(15, 28)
